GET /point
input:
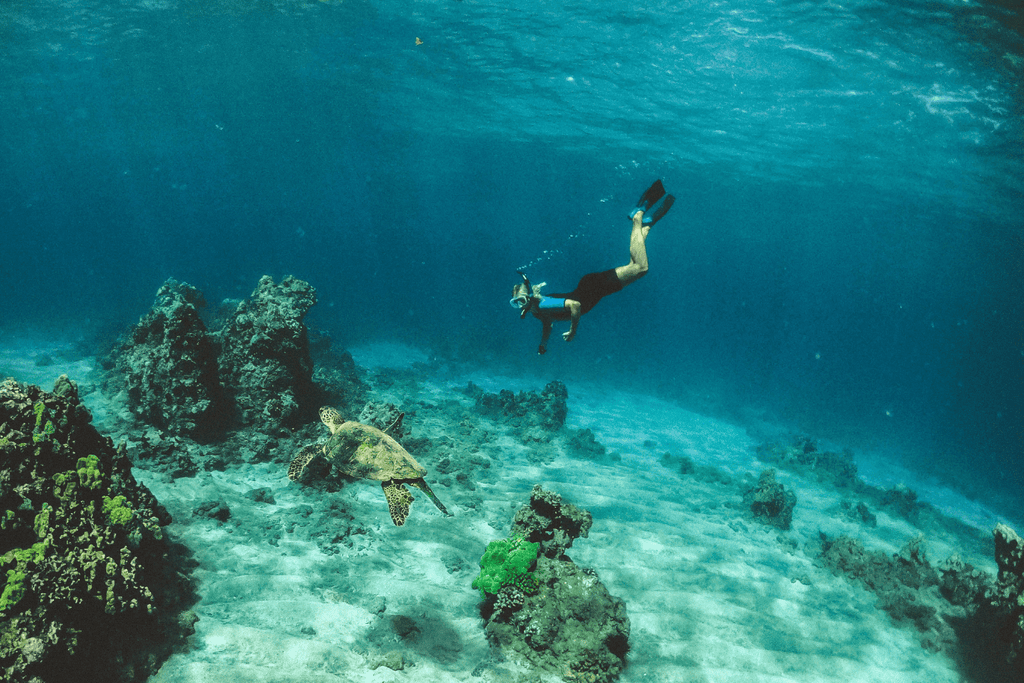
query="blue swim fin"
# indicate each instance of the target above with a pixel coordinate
(649, 198)
(660, 212)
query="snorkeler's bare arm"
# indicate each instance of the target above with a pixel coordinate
(574, 316)
(544, 337)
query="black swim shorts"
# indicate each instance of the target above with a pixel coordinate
(591, 288)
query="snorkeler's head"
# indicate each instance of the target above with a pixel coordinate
(520, 295)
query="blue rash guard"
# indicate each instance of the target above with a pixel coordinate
(551, 302)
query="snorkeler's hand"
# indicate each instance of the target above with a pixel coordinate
(569, 336)
(541, 350)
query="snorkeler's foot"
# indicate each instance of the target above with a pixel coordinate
(649, 198)
(659, 212)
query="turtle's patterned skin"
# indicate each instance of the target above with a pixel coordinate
(366, 452)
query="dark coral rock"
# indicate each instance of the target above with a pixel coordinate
(903, 500)
(900, 581)
(551, 522)
(213, 509)
(912, 567)
(961, 584)
(802, 455)
(859, 513)
(1009, 593)
(94, 589)
(169, 366)
(583, 444)
(265, 361)
(770, 502)
(570, 625)
(1009, 557)
(534, 416)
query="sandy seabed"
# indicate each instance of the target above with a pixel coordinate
(711, 595)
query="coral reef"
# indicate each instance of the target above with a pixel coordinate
(905, 584)
(169, 366)
(94, 590)
(956, 609)
(265, 360)
(584, 445)
(559, 616)
(255, 372)
(770, 502)
(552, 523)
(835, 469)
(1008, 596)
(533, 416)
(903, 501)
(506, 562)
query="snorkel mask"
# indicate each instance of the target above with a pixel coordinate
(523, 300)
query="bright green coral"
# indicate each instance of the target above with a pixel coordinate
(89, 475)
(117, 510)
(505, 562)
(14, 591)
(42, 521)
(43, 429)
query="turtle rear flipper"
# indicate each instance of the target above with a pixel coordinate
(300, 461)
(399, 500)
(422, 486)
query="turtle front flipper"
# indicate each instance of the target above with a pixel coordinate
(300, 461)
(422, 486)
(399, 500)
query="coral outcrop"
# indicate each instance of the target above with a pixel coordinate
(551, 522)
(770, 502)
(94, 590)
(265, 362)
(802, 454)
(532, 415)
(169, 366)
(1008, 597)
(552, 613)
(254, 372)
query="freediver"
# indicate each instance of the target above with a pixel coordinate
(592, 287)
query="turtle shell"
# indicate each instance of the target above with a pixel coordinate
(366, 452)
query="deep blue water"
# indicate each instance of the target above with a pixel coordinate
(846, 252)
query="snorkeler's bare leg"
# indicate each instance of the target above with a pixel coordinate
(637, 267)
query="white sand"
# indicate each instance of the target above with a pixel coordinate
(710, 595)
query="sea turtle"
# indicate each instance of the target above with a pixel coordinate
(366, 452)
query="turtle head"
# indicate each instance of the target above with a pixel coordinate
(332, 418)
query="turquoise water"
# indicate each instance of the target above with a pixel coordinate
(845, 254)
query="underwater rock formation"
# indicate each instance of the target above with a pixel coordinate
(552, 523)
(1009, 590)
(582, 444)
(553, 613)
(265, 363)
(957, 609)
(903, 583)
(94, 591)
(169, 366)
(770, 502)
(533, 416)
(802, 455)
(256, 371)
